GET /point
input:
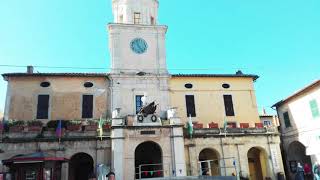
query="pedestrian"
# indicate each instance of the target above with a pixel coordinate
(92, 176)
(316, 171)
(300, 172)
(307, 171)
(111, 176)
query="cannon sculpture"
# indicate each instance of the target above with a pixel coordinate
(149, 109)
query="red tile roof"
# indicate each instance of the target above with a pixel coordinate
(305, 89)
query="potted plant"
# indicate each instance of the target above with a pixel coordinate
(91, 125)
(74, 125)
(34, 125)
(106, 124)
(16, 125)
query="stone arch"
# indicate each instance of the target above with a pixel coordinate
(148, 156)
(258, 163)
(209, 160)
(81, 166)
(296, 153)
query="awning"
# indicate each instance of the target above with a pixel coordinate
(37, 157)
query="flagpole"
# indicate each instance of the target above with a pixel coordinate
(59, 131)
(190, 126)
(100, 128)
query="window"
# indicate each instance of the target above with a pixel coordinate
(314, 108)
(43, 107)
(137, 18)
(152, 20)
(87, 106)
(286, 119)
(88, 84)
(266, 123)
(188, 86)
(191, 111)
(228, 105)
(138, 103)
(226, 86)
(121, 19)
(45, 84)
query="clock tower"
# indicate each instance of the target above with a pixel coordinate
(137, 42)
(138, 77)
(138, 56)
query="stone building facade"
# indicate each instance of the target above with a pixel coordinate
(227, 140)
(299, 116)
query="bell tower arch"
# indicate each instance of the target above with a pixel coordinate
(135, 11)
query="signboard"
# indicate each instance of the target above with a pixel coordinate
(275, 162)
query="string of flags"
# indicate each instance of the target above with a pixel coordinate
(151, 173)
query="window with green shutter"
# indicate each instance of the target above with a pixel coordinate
(286, 119)
(314, 108)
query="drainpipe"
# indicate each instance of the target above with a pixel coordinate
(240, 170)
(271, 156)
(224, 161)
(173, 158)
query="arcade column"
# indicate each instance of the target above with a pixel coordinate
(117, 145)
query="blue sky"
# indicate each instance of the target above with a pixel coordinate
(278, 40)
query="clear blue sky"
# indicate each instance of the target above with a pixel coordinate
(277, 39)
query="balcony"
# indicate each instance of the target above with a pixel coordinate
(212, 132)
(70, 130)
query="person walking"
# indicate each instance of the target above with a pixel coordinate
(300, 172)
(316, 171)
(111, 176)
(307, 171)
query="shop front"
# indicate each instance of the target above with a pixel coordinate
(35, 166)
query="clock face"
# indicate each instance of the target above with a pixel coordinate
(139, 45)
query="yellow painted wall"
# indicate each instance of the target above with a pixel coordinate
(65, 100)
(208, 93)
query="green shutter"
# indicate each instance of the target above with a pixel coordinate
(286, 119)
(314, 108)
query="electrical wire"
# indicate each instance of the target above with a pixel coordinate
(105, 68)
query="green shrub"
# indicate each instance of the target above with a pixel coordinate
(13, 122)
(35, 123)
(73, 122)
(92, 122)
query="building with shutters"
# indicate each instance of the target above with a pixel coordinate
(299, 116)
(139, 141)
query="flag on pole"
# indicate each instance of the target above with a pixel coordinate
(225, 125)
(100, 128)
(59, 130)
(190, 126)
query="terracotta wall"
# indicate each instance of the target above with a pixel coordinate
(208, 95)
(65, 93)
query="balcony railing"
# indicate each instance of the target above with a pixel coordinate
(200, 132)
(24, 131)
